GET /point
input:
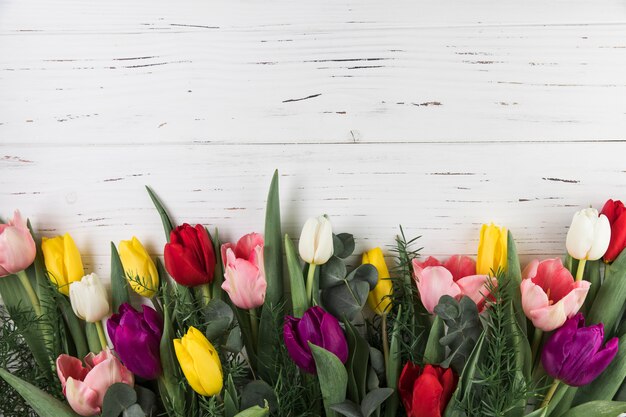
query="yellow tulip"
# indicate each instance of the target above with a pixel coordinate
(379, 298)
(62, 261)
(139, 268)
(200, 362)
(492, 250)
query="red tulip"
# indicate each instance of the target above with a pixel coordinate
(616, 213)
(426, 392)
(189, 257)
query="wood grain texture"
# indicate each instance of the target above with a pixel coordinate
(441, 191)
(224, 71)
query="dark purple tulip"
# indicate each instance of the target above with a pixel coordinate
(136, 337)
(321, 329)
(574, 353)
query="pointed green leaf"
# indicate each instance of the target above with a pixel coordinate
(463, 388)
(296, 279)
(394, 366)
(119, 288)
(435, 352)
(347, 408)
(93, 339)
(542, 412)
(358, 358)
(608, 305)
(44, 404)
(374, 399)
(514, 277)
(268, 340)
(597, 409)
(255, 411)
(165, 218)
(75, 326)
(272, 249)
(592, 274)
(332, 376)
(218, 276)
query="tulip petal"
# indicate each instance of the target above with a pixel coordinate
(70, 367)
(82, 398)
(17, 249)
(409, 375)
(306, 244)
(449, 381)
(617, 219)
(430, 261)
(433, 282)
(103, 375)
(476, 287)
(179, 264)
(601, 238)
(206, 361)
(185, 360)
(333, 338)
(597, 364)
(558, 345)
(460, 266)
(427, 396)
(324, 242)
(299, 354)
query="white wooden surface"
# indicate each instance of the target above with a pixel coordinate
(437, 115)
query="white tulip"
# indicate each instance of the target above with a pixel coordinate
(316, 241)
(89, 298)
(589, 235)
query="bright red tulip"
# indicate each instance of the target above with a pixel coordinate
(616, 213)
(426, 392)
(189, 257)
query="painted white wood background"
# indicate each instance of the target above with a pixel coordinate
(435, 114)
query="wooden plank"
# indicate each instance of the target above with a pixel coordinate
(441, 191)
(236, 71)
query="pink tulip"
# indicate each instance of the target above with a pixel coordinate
(244, 273)
(84, 387)
(435, 281)
(550, 295)
(17, 247)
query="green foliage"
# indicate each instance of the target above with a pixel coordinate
(608, 305)
(332, 376)
(119, 286)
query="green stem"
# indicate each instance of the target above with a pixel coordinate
(103, 339)
(550, 393)
(385, 339)
(310, 281)
(34, 300)
(254, 326)
(206, 293)
(581, 269)
(536, 343)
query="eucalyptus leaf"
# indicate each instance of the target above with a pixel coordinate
(146, 399)
(259, 393)
(332, 273)
(372, 379)
(134, 411)
(377, 360)
(118, 397)
(332, 377)
(219, 316)
(366, 273)
(345, 245)
(346, 300)
(374, 399)
(234, 342)
(347, 408)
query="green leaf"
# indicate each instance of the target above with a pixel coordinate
(542, 412)
(234, 342)
(366, 273)
(374, 399)
(118, 397)
(231, 400)
(393, 369)
(343, 245)
(592, 274)
(75, 326)
(255, 411)
(435, 352)
(218, 275)
(562, 400)
(347, 408)
(134, 410)
(358, 357)
(165, 218)
(332, 273)
(466, 381)
(219, 316)
(608, 305)
(119, 288)
(597, 409)
(146, 399)
(272, 249)
(259, 393)
(296, 279)
(93, 339)
(346, 300)
(608, 383)
(514, 277)
(44, 404)
(332, 376)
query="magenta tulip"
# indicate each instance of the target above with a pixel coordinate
(17, 247)
(244, 272)
(550, 295)
(84, 387)
(574, 353)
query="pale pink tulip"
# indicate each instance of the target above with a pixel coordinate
(244, 273)
(84, 387)
(433, 282)
(17, 247)
(550, 295)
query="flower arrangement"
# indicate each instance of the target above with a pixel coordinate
(263, 327)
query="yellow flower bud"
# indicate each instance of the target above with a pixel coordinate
(139, 268)
(62, 261)
(492, 250)
(379, 298)
(200, 362)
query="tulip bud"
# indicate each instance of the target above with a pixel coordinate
(189, 257)
(588, 236)
(426, 391)
(139, 268)
(62, 261)
(616, 214)
(200, 362)
(492, 250)
(17, 247)
(316, 241)
(379, 299)
(244, 271)
(89, 298)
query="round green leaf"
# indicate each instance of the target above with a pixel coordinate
(118, 397)
(366, 273)
(332, 273)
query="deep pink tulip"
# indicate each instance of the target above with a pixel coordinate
(17, 247)
(84, 387)
(244, 272)
(434, 281)
(550, 295)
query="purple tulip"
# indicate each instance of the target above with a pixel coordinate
(136, 337)
(321, 329)
(574, 353)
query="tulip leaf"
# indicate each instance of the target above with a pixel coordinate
(358, 357)
(608, 305)
(219, 317)
(118, 397)
(119, 288)
(514, 277)
(608, 383)
(218, 273)
(93, 339)
(562, 400)
(75, 327)
(541, 412)
(372, 379)
(165, 218)
(393, 368)
(134, 410)
(348, 409)
(346, 300)
(435, 351)
(332, 273)
(332, 376)
(259, 393)
(466, 381)
(464, 329)
(231, 399)
(299, 300)
(374, 399)
(44, 404)
(343, 245)
(597, 409)
(255, 411)
(592, 274)
(273, 249)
